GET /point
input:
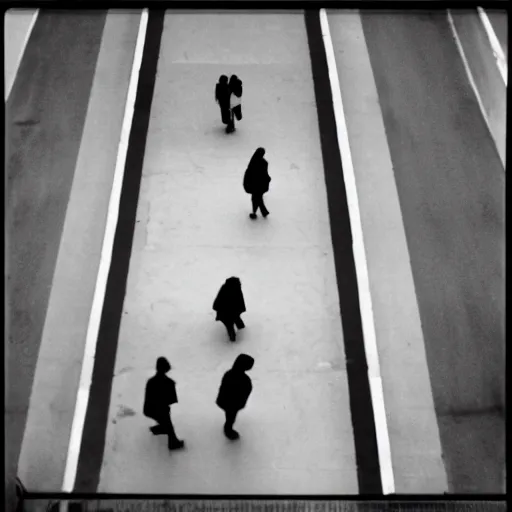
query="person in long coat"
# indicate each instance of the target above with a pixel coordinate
(234, 391)
(159, 396)
(229, 305)
(222, 94)
(257, 182)
(235, 102)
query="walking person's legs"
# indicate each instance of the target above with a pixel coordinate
(224, 112)
(239, 323)
(228, 425)
(257, 203)
(255, 200)
(229, 324)
(157, 430)
(231, 125)
(173, 441)
(237, 112)
(160, 428)
(263, 208)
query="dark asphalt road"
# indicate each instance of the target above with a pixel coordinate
(451, 187)
(45, 115)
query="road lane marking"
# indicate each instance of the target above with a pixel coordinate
(470, 76)
(497, 50)
(365, 302)
(104, 266)
(10, 80)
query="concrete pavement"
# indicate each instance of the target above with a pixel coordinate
(451, 185)
(193, 231)
(487, 75)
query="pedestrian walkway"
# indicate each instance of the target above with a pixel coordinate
(193, 231)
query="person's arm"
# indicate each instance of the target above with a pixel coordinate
(242, 303)
(223, 393)
(149, 402)
(172, 396)
(245, 390)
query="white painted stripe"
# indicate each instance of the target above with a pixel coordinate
(466, 66)
(10, 80)
(497, 50)
(365, 300)
(106, 256)
(470, 75)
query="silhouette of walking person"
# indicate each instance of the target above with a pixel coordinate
(235, 102)
(257, 182)
(222, 94)
(160, 395)
(229, 305)
(234, 391)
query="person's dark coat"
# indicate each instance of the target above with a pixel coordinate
(229, 303)
(160, 395)
(236, 385)
(222, 92)
(256, 178)
(222, 95)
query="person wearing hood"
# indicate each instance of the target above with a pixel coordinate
(234, 391)
(229, 305)
(257, 182)
(222, 94)
(159, 396)
(235, 102)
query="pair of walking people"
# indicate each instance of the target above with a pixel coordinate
(228, 94)
(234, 391)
